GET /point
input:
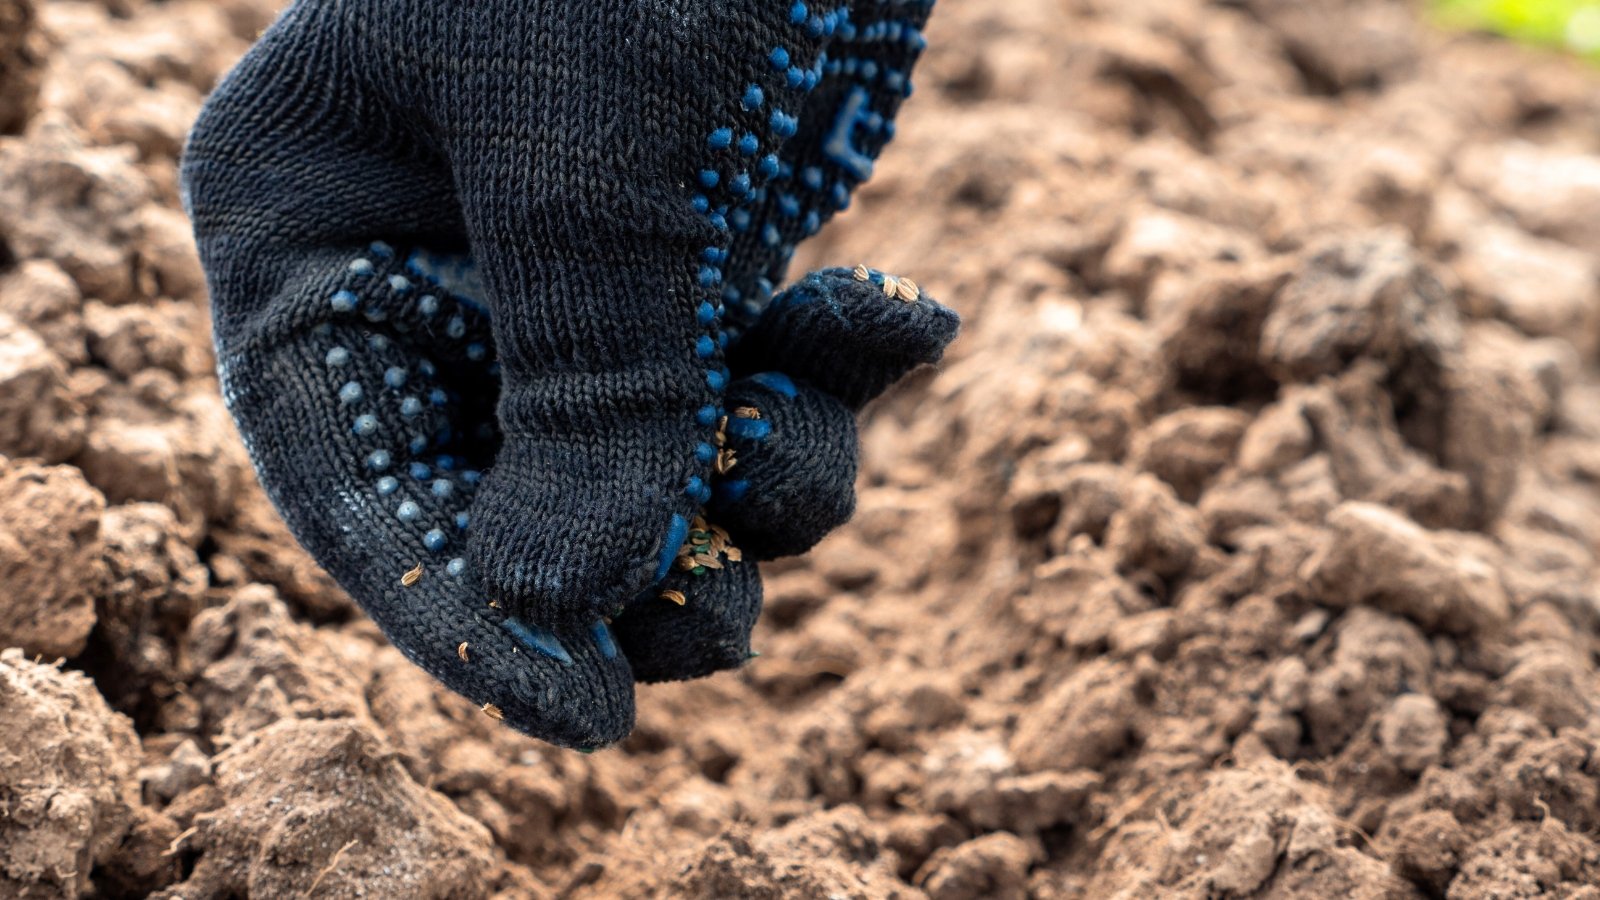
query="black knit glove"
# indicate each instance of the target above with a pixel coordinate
(469, 263)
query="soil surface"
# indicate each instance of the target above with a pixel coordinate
(1245, 545)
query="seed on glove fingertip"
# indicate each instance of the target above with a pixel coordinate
(862, 273)
(461, 651)
(908, 290)
(412, 577)
(747, 412)
(493, 712)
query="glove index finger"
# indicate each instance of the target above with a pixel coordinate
(850, 332)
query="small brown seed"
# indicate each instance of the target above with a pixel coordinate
(862, 273)
(493, 712)
(412, 577)
(675, 596)
(461, 651)
(909, 292)
(747, 412)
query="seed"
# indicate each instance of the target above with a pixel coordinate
(890, 285)
(734, 554)
(461, 651)
(909, 292)
(862, 273)
(493, 712)
(675, 596)
(725, 461)
(747, 412)
(412, 577)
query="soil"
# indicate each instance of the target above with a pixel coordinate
(1244, 546)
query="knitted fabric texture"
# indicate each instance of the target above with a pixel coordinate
(468, 264)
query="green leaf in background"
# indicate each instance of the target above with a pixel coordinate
(1567, 24)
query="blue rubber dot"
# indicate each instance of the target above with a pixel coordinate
(722, 340)
(730, 294)
(471, 477)
(705, 314)
(811, 177)
(716, 380)
(710, 276)
(426, 367)
(813, 223)
(869, 69)
(701, 203)
(399, 283)
(677, 533)
(768, 166)
(713, 255)
(694, 487)
(705, 347)
(752, 97)
(442, 488)
(888, 130)
(456, 328)
(438, 397)
(410, 407)
(779, 57)
(815, 26)
(462, 519)
(395, 377)
(721, 138)
(408, 511)
(705, 453)
(789, 205)
(378, 342)
(777, 382)
(387, 485)
(455, 567)
(434, 540)
(740, 220)
(764, 287)
(428, 305)
(770, 235)
(350, 393)
(850, 65)
(811, 81)
(361, 266)
(445, 463)
(749, 144)
(718, 222)
(794, 78)
(338, 356)
(798, 13)
(538, 639)
(476, 352)
(893, 80)
(344, 301)
(733, 490)
(378, 460)
(366, 424)
(418, 443)
(706, 415)
(604, 640)
(710, 178)
(420, 471)
(381, 249)
(740, 185)
(841, 195)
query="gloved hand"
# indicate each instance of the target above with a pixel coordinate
(468, 265)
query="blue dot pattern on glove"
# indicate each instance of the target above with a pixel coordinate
(501, 442)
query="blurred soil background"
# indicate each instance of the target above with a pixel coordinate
(1244, 546)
